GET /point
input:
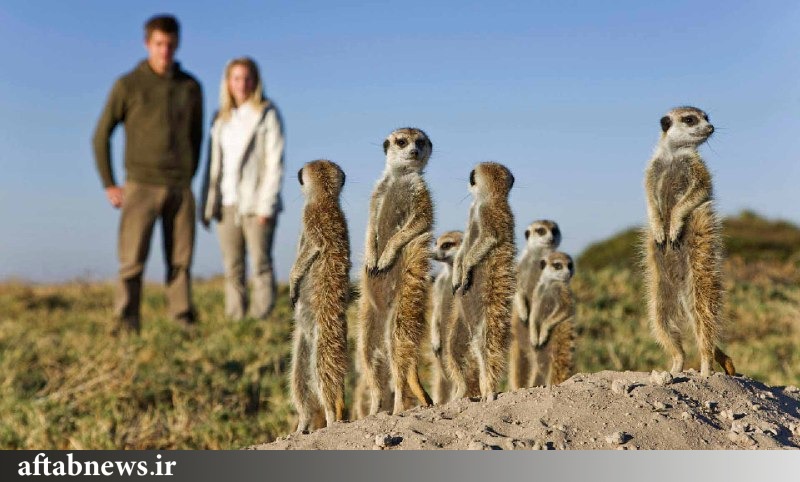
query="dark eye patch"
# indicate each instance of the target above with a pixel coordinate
(689, 120)
(447, 245)
(557, 266)
(541, 231)
(401, 143)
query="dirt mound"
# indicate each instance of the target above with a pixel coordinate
(605, 410)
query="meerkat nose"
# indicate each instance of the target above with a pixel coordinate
(710, 129)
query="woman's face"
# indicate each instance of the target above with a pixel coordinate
(241, 84)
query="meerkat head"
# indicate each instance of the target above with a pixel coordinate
(557, 266)
(446, 246)
(685, 127)
(490, 180)
(321, 177)
(543, 234)
(407, 149)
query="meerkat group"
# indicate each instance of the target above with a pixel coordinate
(482, 311)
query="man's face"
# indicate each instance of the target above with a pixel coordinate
(161, 49)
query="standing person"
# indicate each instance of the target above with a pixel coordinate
(162, 109)
(242, 186)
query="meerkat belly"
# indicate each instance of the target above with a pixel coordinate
(672, 185)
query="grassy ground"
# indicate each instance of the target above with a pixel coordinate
(66, 383)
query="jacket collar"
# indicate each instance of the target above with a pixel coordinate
(145, 68)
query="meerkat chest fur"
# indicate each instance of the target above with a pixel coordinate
(528, 271)
(673, 173)
(392, 215)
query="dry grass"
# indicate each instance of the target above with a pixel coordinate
(66, 383)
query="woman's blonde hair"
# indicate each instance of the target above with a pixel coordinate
(257, 98)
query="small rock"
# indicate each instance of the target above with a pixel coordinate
(769, 428)
(742, 439)
(618, 438)
(660, 405)
(711, 405)
(755, 406)
(561, 428)
(686, 415)
(386, 440)
(620, 387)
(460, 434)
(791, 389)
(739, 427)
(731, 415)
(661, 378)
(622, 447)
(478, 445)
(537, 446)
(795, 429)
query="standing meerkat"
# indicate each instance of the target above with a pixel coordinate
(441, 312)
(395, 285)
(541, 238)
(552, 321)
(319, 290)
(483, 280)
(683, 242)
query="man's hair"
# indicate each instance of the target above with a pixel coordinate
(163, 23)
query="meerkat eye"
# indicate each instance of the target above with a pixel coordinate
(557, 266)
(300, 176)
(472, 178)
(541, 231)
(689, 120)
(447, 246)
(401, 143)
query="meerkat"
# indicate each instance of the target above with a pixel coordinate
(484, 281)
(441, 306)
(683, 242)
(319, 290)
(395, 285)
(541, 238)
(552, 322)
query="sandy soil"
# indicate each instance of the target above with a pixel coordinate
(606, 410)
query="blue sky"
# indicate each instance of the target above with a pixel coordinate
(567, 94)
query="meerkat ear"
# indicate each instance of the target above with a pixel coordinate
(344, 177)
(430, 145)
(385, 146)
(527, 233)
(666, 123)
(542, 264)
(300, 176)
(511, 179)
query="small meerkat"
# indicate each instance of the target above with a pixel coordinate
(542, 237)
(683, 242)
(552, 321)
(319, 290)
(484, 281)
(441, 311)
(395, 284)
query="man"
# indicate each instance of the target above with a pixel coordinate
(162, 109)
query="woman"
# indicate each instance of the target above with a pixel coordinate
(242, 186)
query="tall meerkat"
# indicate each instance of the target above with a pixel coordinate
(542, 237)
(441, 311)
(484, 280)
(683, 243)
(552, 321)
(319, 291)
(395, 285)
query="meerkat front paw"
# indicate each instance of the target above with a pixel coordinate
(293, 295)
(675, 233)
(466, 282)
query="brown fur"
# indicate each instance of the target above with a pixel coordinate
(683, 245)
(542, 237)
(319, 289)
(441, 311)
(395, 282)
(484, 281)
(552, 326)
